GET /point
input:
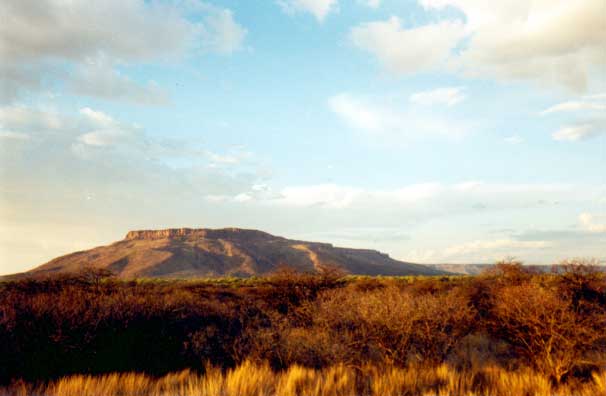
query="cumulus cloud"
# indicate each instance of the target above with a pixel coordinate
(365, 235)
(537, 41)
(408, 50)
(221, 32)
(595, 96)
(587, 118)
(41, 40)
(393, 121)
(96, 78)
(104, 130)
(574, 106)
(532, 245)
(449, 196)
(90, 127)
(318, 8)
(13, 135)
(28, 121)
(449, 96)
(233, 156)
(592, 223)
(577, 132)
(496, 248)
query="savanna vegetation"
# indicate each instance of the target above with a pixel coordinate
(507, 332)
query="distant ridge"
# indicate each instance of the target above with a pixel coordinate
(202, 252)
(475, 269)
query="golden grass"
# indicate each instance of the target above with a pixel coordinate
(259, 380)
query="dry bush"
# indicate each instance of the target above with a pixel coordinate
(478, 350)
(370, 326)
(547, 329)
(290, 288)
(391, 325)
(510, 271)
(582, 281)
(508, 319)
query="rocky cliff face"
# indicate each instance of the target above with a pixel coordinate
(162, 234)
(171, 233)
(187, 252)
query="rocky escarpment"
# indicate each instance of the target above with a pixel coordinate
(191, 252)
(197, 233)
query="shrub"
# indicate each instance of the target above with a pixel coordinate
(548, 329)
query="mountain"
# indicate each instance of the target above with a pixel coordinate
(462, 269)
(190, 253)
(475, 269)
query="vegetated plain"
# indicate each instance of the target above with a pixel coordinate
(510, 331)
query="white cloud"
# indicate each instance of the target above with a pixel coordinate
(223, 158)
(394, 121)
(54, 29)
(328, 195)
(412, 50)
(102, 130)
(596, 96)
(319, 8)
(222, 33)
(588, 222)
(365, 235)
(575, 133)
(537, 41)
(97, 117)
(101, 80)
(13, 135)
(89, 127)
(449, 96)
(494, 247)
(23, 119)
(41, 42)
(105, 137)
(514, 139)
(233, 156)
(447, 196)
(574, 106)
(588, 118)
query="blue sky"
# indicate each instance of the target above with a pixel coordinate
(433, 130)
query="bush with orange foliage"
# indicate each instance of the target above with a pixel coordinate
(553, 326)
(510, 318)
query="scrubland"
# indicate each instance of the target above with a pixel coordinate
(506, 332)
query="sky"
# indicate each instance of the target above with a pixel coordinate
(437, 131)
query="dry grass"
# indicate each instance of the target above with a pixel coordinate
(259, 380)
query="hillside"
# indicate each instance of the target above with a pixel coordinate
(190, 253)
(462, 269)
(476, 269)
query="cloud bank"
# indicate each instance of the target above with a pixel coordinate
(48, 42)
(539, 41)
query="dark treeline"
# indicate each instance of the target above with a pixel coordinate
(510, 317)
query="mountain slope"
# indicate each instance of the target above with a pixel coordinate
(186, 253)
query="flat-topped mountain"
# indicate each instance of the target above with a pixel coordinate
(187, 252)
